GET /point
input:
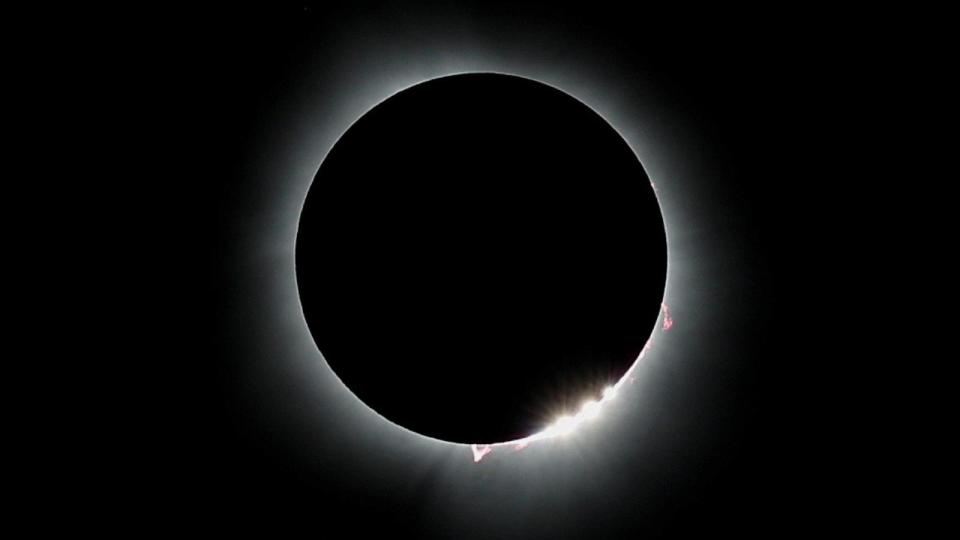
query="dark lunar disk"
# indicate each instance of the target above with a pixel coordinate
(479, 254)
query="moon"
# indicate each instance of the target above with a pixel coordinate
(479, 254)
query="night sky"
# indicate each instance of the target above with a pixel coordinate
(254, 428)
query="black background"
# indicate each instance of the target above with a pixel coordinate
(193, 447)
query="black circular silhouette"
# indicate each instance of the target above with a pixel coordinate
(479, 254)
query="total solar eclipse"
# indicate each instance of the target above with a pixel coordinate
(480, 253)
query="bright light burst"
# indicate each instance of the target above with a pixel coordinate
(568, 423)
(590, 410)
